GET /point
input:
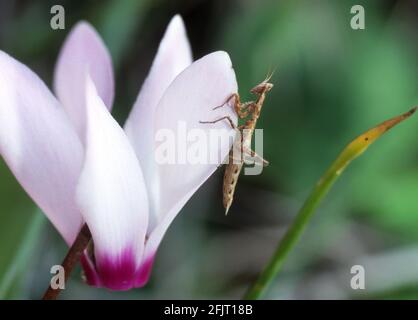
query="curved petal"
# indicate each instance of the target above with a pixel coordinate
(39, 145)
(190, 98)
(83, 51)
(155, 238)
(112, 196)
(173, 56)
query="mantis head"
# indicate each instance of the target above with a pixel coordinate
(264, 86)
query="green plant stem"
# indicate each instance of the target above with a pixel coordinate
(352, 151)
(292, 236)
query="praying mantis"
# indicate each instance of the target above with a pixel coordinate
(242, 144)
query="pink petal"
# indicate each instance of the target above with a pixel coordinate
(173, 56)
(83, 51)
(190, 98)
(39, 145)
(112, 196)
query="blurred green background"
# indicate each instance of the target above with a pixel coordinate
(331, 84)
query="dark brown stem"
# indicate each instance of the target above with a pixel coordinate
(70, 260)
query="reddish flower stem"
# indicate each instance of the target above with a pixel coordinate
(70, 260)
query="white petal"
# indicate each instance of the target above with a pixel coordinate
(158, 233)
(190, 98)
(112, 196)
(39, 144)
(173, 56)
(83, 51)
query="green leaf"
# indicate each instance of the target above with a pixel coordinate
(353, 150)
(20, 227)
(16, 264)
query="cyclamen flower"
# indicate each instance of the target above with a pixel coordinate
(79, 165)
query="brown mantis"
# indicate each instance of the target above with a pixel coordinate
(242, 145)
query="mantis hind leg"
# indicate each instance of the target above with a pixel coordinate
(232, 124)
(251, 157)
